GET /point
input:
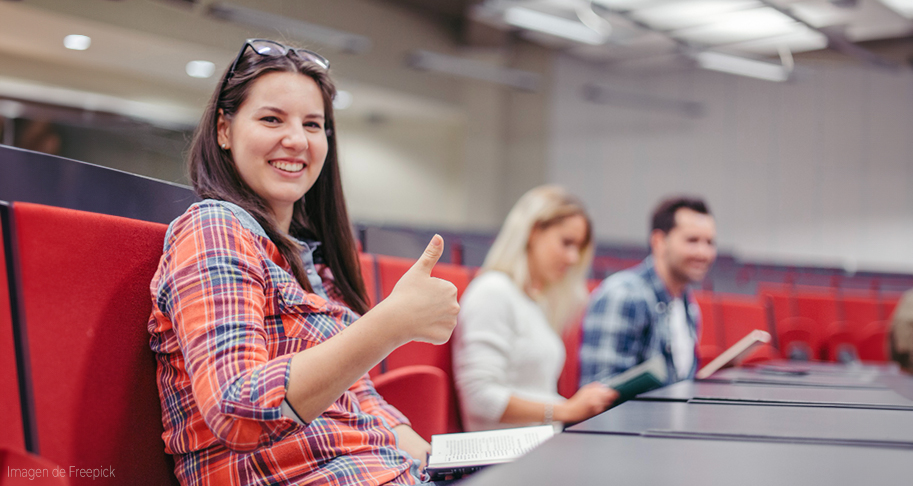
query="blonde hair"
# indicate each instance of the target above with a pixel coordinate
(541, 207)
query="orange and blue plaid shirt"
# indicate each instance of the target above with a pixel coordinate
(227, 318)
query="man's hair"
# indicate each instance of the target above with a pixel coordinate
(664, 215)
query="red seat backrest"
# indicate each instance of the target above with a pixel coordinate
(859, 310)
(872, 343)
(819, 306)
(11, 434)
(888, 304)
(85, 288)
(779, 298)
(799, 332)
(740, 315)
(569, 380)
(710, 342)
(369, 275)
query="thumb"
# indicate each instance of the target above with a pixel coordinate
(431, 255)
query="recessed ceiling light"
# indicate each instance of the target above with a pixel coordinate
(77, 42)
(342, 100)
(200, 69)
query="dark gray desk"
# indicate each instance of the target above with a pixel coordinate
(863, 427)
(799, 376)
(597, 459)
(876, 398)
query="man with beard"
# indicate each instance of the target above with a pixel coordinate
(647, 310)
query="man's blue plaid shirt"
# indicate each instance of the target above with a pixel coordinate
(627, 323)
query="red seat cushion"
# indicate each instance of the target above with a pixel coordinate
(85, 288)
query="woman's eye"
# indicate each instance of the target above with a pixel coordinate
(270, 119)
(315, 125)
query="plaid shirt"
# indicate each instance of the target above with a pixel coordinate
(627, 323)
(227, 318)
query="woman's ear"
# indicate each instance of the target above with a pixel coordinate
(223, 130)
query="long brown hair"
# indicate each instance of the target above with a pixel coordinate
(321, 214)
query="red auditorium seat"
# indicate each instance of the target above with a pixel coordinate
(710, 343)
(369, 275)
(779, 298)
(840, 341)
(569, 380)
(798, 335)
(389, 270)
(11, 434)
(820, 306)
(739, 315)
(888, 304)
(420, 392)
(872, 343)
(859, 309)
(85, 289)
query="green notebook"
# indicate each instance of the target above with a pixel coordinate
(649, 375)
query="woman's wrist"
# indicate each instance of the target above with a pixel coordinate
(385, 330)
(559, 412)
(548, 415)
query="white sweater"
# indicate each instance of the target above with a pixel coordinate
(502, 346)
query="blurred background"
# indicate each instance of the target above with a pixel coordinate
(792, 118)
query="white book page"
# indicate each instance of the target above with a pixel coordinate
(488, 447)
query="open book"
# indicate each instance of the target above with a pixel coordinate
(640, 379)
(735, 353)
(455, 455)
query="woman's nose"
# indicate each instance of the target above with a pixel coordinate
(295, 138)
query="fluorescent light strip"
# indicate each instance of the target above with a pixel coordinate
(159, 114)
(332, 38)
(468, 68)
(741, 66)
(552, 25)
(904, 8)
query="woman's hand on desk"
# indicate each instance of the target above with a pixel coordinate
(421, 307)
(590, 400)
(412, 443)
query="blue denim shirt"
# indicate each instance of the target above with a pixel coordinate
(627, 323)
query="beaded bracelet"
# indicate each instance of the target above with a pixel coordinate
(549, 410)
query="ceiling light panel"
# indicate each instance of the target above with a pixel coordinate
(626, 4)
(801, 41)
(819, 14)
(680, 15)
(902, 7)
(741, 26)
(553, 25)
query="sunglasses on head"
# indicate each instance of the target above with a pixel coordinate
(268, 48)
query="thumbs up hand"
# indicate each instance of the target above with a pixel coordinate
(424, 308)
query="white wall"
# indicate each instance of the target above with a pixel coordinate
(814, 171)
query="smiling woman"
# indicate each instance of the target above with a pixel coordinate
(263, 355)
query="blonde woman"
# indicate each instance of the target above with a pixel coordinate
(508, 351)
